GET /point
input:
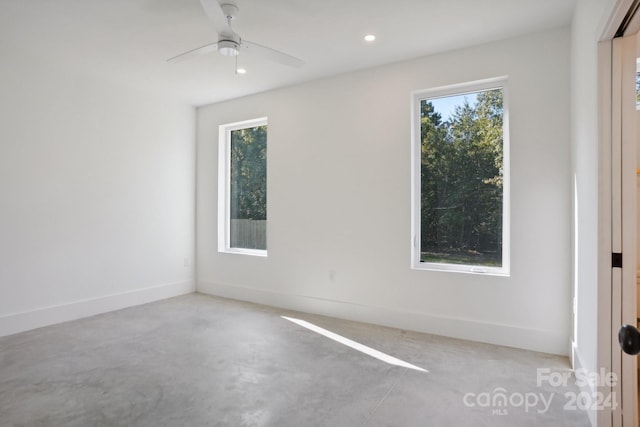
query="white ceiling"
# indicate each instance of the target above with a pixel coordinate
(130, 40)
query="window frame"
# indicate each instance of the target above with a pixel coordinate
(224, 184)
(416, 182)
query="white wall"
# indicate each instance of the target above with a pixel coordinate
(588, 23)
(584, 140)
(97, 191)
(339, 200)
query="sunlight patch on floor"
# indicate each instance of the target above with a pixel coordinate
(355, 345)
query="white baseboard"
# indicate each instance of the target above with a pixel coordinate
(467, 329)
(45, 316)
(577, 363)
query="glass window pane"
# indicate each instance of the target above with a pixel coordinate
(248, 188)
(461, 206)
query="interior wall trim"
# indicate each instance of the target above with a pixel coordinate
(585, 386)
(467, 329)
(45, 316)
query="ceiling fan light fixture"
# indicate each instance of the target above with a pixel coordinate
(221, 13)
(228, 48)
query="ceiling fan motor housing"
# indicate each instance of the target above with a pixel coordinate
(229, 45)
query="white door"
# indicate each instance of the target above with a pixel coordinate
(623, 227)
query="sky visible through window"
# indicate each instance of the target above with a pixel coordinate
(446, 105)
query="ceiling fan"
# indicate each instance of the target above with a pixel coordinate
(229, 42)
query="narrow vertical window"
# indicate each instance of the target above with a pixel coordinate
(242, 190)
(638, 84)
(460, 178)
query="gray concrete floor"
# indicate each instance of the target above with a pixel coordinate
(197, 360)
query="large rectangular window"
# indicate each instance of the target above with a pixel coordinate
(242, 189)
(460, 178)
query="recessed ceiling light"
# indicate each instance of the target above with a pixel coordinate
(370, 38)
(241, 71)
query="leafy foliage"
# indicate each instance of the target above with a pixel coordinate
(462, 181)
(249, 173)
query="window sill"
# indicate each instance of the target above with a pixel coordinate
(466, 269)
(240, 251)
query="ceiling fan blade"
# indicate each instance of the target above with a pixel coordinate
(214, 11)
(271, 54)
(211, 47)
